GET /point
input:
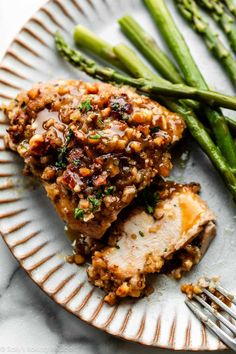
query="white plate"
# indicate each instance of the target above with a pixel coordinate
(33, 231)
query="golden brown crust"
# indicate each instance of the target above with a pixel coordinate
(93, 145)
(142, 244)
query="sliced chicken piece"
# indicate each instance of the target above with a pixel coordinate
(181, 227)
(93, 145)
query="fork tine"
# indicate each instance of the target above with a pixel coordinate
(215, 313)
(198, 312)
(224, 292)
(220, 303)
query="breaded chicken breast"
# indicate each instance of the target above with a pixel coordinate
(172, 239)
(94, 146)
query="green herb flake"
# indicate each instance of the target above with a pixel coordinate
(24, 144)
(100, 122)
(125, 117)
(78, 213)
(118, 247)
(85, 106)
(99, 193)
(149, 209)
(115, 106)
(23, 105)
(69, 136)
(77, 162)
(155, 130)
(60, 164)
(62, 152)
(62, 159)
(95, 136)
(94, 201)
(150, 198)
(141, 233)
(110, 190)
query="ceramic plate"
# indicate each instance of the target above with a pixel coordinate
(33, 231)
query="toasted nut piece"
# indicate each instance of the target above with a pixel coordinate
(136, 146)
(128, 194)
(91, 88)
(79, 259)
(75, 116)
(84, 172)
(123, 290)
(106, 112)
(142, 117)
(63, 90)
(110, 298)
(49, 173)
(33, 93)
(70, 259)
(84, 203)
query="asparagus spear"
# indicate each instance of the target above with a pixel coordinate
(96, 45)
(190, 12)
(87, 39)
(231, 6)
(225, 20)
(192, 75)
(196, 128)
(144, 85)
(130, 27)
(149, 48)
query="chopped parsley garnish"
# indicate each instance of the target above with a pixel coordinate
(95, 136)
(150, 198)
(125, 117)
(24, 144)
(141, 233)
(94, 201)
(77, 162)
(100, 122)
(78, 213)
(99, 193)
(69, 136)
(115, 106)
(149, 209)
(118, 247)
(155, 130)
(110, 190)
(23, 105)
(85, 106)
(62, 156)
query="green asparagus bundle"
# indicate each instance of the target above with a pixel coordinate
(96, 45)
(144, 42)
(218, 11)
(162, 88)
(190, 12)
(195, 127)
(137, 35)
(193, 76)
(231, 6)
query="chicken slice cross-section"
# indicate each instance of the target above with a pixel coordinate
(172, 239)
(94, 146)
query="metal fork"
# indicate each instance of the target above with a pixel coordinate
(198, 306)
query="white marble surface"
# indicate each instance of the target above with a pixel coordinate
(30, 322)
